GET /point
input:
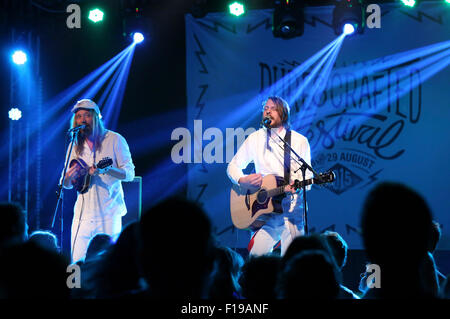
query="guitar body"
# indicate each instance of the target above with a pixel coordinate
(247, 206)
(82, 180)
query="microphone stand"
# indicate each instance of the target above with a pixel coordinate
(303, 166)
(59, 192)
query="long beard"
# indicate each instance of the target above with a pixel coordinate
(86, 132)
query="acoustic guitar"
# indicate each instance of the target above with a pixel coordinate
(247, 206)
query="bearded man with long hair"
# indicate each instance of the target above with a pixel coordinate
(266, 151)
(100, 208)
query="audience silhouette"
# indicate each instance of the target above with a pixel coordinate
(171, 253)
(177, 253)
(117, 272)
(259, 277)
(98, 245)
(224, 282)
(338, 248)
(303, 243)
(396, 228)
(29, 271)
(311, 274)
(45, 239)
(14, 227)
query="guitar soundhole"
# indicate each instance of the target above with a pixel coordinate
(262, 196)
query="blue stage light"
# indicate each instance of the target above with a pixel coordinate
(348, 11)
(138, 37)
(19, 57)
(348, 29)
(15, 114)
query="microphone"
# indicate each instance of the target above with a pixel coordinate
(266, 122)
(77, 128)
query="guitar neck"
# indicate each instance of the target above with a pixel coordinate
(280, 190)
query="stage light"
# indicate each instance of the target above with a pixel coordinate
(135, 25)
(409, 3)
(96, 15)
(19, 57)
(447, 1)
(348, 12)
(15, 114)
(288, 19)
(138, 37)
(348, 29)
(236, 9)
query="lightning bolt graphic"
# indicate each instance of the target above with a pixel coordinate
(372, 178)
(267, 23)
(199, 53)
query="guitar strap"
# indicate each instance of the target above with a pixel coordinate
(276, 200)
(287, 158)
(93, 147)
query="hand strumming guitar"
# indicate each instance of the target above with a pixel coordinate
(72, 171)
(71, 174)
(252, 182)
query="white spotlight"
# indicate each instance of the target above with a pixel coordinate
(19, 57)
(138, 37)
(15, 114)
(348, 29)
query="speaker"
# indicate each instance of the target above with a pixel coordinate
(133, 200)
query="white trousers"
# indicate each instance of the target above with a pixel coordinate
(278, 228)
(85, 229)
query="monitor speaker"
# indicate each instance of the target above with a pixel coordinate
(133, 200)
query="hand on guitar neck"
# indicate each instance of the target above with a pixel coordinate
(94, 170)
(291, 189)
(253, 182)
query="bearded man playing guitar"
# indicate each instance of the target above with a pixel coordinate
(264, 148)
(100, 160)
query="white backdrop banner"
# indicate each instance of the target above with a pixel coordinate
(376, 107)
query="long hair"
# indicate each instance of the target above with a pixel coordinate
(98, 133)
(282, 108)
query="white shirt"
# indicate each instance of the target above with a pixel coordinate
(271, 160)
(104, 197)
